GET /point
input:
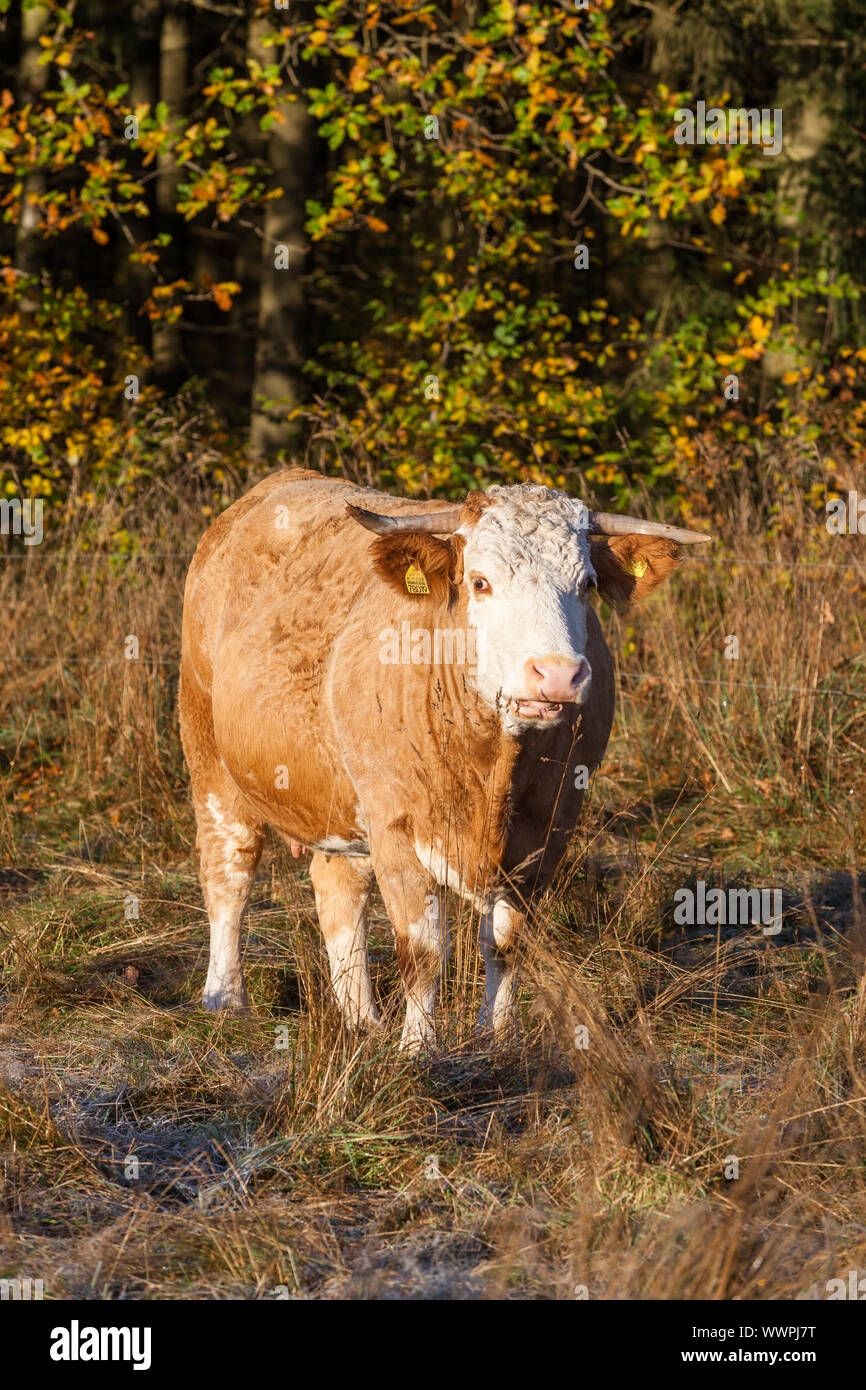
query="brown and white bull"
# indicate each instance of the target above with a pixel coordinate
(415, 706)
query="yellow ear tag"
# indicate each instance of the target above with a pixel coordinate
(415, 581)
(638, 567)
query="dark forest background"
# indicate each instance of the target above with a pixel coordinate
(347, 232)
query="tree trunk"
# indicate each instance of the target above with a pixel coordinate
(31, 84)
(173, 66)
(279, 346)
(143, 91)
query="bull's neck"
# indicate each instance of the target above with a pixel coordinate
(474, 756)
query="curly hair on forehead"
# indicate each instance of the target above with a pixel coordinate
(530, 506)
(534, 529)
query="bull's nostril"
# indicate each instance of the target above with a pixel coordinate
(581, 672)
(558, 679)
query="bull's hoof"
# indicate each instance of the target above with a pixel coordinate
(417, 1043)
(216, 1001)
(499, 1032)
(363, 1023)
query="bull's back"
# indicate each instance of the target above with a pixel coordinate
(287, 550)
(268, 592)
(262, 552)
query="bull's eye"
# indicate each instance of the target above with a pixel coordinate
(479, 584)
(586, 585)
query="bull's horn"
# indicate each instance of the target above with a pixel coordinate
(447, 520)
(444, 522)
(612, 524)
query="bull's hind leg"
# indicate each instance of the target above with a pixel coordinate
(342, 887)
(413, 903)
(230, 843)
(230, 847)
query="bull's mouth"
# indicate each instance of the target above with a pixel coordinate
(534, 709)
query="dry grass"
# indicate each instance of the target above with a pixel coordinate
(333, 1166)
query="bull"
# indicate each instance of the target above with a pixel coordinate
(312, 701)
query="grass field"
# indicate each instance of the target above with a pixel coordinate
(149, 1150)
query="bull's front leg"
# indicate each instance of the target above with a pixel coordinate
(413, 903)
(501, 924)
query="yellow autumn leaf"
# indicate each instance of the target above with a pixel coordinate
(759, 328)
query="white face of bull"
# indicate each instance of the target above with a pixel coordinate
(528, 571)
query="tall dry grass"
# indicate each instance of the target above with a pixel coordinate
(149, 1150)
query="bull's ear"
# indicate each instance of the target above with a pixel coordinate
(425, 568)
(630, 567)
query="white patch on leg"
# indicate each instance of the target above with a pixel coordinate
(507, 921)
(418, 1031)
(350, 977)
(224, 987)
(499, 927)
(233, 836)
(428, 940)
(343, 920)
(430, 934)
(227, 880)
